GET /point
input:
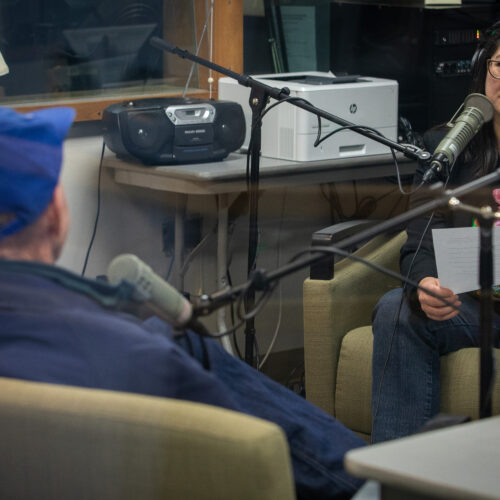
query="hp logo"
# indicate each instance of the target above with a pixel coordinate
(353, 108)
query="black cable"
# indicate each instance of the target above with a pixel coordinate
(319, 139)
(324, 250)
(393, 209)
(398, 177)
(335, 201)
(292, 373)
(259, 305)
(396, 324)
(322, 189)
(257, 353)
(258, 122)
(98, 211)
(382, 196)
(170, 267)
(230, 283)
(317, 249)
(362, 205)
(404, 286)
(230, 331)
(364, 127)
(243, 317)
(356, 197)
(231, 309)
(268, 108)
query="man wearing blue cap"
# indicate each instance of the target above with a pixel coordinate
(54, 328)
(31, 159)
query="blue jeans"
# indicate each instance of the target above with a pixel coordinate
(317, 441)
(406, 352)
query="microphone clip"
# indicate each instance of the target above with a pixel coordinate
(453, 119)
(438, 171)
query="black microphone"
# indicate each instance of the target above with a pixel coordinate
(165, 301)
(477, 109)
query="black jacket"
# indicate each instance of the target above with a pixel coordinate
(418, 265)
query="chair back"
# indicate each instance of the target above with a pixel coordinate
(75, 443)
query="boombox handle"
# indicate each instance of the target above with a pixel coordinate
(259, 97)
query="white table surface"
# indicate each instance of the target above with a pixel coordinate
(461, 462)
(228, 175)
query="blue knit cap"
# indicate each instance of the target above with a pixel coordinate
(30, 163)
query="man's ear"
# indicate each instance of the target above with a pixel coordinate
(58, 217)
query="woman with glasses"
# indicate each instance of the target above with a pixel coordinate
(494, 67)
(411, 328)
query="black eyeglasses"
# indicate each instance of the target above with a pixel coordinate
(494, 68)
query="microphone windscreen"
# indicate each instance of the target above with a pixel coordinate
(150, 288)
(482, 103)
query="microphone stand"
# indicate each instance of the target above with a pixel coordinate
(486, 308)
(262, 280)
(485, 217)
(258, 101)
(259, 96)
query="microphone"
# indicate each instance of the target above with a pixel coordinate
(165, 301)
(477, 109)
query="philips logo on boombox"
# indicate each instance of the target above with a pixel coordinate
(197, 131)
(174, 130)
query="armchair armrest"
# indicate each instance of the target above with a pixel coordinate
(330, 235)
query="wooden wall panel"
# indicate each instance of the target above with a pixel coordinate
(227, 36)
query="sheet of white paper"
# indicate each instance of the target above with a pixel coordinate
(457, 257)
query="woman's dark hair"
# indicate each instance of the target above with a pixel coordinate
(483, 149)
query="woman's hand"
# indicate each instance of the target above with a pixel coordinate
(432, 306)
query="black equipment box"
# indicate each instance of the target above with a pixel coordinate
(164, 131)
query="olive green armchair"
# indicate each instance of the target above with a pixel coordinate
(338, 337)
(61, 442)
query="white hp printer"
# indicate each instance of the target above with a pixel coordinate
(289, 132)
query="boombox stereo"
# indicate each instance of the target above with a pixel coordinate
(174, 130)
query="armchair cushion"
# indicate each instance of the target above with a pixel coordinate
(353, 390)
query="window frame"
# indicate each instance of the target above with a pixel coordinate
(227, 25)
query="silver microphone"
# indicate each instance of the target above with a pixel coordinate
(477, 109)
(165, 301)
